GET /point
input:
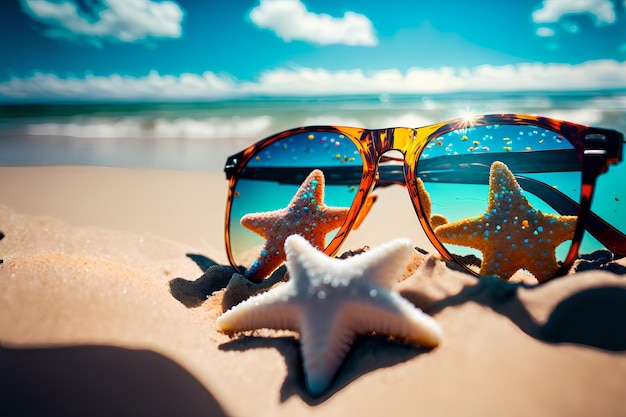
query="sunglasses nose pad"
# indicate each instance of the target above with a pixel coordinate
(369, 202)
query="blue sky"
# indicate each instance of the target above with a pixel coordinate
(206, 49)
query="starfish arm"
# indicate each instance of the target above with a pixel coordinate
(390, 314)
(261, 223)
(333, 217)
(304, 261)
(544, 269)
(424, 198)
(492, 265)
(383, 265)
(326, 337)
(271, 310)
(324, 343)
(459, 232)
(562, 227)
(264, 265)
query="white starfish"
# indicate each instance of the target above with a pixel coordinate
(330, 301)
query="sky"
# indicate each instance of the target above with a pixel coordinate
(95, 50)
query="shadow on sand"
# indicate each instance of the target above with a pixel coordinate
(595, 317)
(99, 381)
(367, 354)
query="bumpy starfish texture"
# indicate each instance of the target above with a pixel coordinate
(306, 215)
(330, 301)
(424, 199)
(511, 234)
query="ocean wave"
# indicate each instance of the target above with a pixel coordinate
(252, 120)
(369, 121)
(199, 136)
(588, 117)
(132, 127)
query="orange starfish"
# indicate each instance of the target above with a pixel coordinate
(306, 215)
(511, 234)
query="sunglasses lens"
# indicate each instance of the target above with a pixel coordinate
(273, 177)
(609, 201)
(504, 197)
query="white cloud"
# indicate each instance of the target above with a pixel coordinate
(602, 12)
(119, 20)
(112, 87)
(291, 20)
(520, 77)
(590, 75)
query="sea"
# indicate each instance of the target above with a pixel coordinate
(198, 136)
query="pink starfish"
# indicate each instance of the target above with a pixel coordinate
(306, 215)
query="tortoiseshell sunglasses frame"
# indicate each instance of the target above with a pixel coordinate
(596, 149)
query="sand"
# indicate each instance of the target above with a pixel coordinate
(107, 310)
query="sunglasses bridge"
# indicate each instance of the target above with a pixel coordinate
(394, 170)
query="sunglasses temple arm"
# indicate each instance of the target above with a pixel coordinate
(558, 160)
(347, 175)
(464, 167)
(388, 175)
(606, 234)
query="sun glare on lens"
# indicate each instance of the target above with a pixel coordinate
(468, 117)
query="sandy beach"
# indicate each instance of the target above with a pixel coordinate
(107, 310)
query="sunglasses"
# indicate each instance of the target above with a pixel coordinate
(494, 194)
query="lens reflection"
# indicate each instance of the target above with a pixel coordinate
(508, 193)
(272, 176)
